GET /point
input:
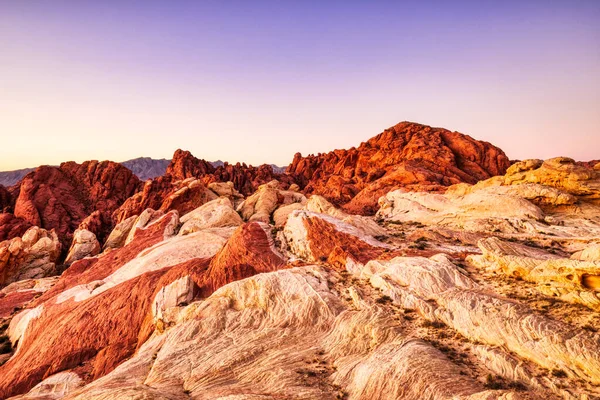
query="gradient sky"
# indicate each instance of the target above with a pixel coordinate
(257, 81)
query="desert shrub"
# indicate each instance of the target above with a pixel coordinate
(559, 373)
(384, 299)
(432, 324)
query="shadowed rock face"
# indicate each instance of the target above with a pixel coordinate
(5, 199)
(409, 155)
(11, 226)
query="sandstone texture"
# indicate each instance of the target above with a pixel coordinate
(218, 213)
(245, 178)
(190, 182)
(34, 255)
(60, 198)
(11, 226)
(84, 244)
(474, 280)
(269, 197)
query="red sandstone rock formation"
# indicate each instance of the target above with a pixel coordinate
(246, 178)
(34, 255)
(164, 194)
(414, 156)
(183, 187)
(12, 227)
(590, 164)
(184, 165)
(62, 197)
(95, 224)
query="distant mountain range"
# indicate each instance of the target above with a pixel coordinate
(143, 167)
(146, 167)
(9, 178)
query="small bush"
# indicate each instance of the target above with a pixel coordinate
(384, 299)
(559, 373)
(432, 324)
(494, 382)
(497, 383)
(530, 243)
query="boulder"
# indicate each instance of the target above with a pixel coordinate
(11, 226)
(226, 189)
(281, 214)
(34, 255)
(319, 204)
(119, 234)
(591, 253)
(84, 245)
(217, 213)
(261, 204)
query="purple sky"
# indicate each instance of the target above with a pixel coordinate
(257, 81)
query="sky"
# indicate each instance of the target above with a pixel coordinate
(257, 81)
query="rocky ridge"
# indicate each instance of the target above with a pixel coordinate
(409, 155)
(258, 289)
(282, 295)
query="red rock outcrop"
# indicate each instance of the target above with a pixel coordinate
(184, 186)
(60, 198)
(17, 295)
(321, 238)
(249, 251)
(184, 165)
(12, 227)
(95, 224)
(410, 155)
(164, 194)
(590, 164)
(246, 178)
(34, 255)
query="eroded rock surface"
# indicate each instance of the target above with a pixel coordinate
(409, 155)
(34, 255)
(60, 198)
(485, 291)
(84, 244)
